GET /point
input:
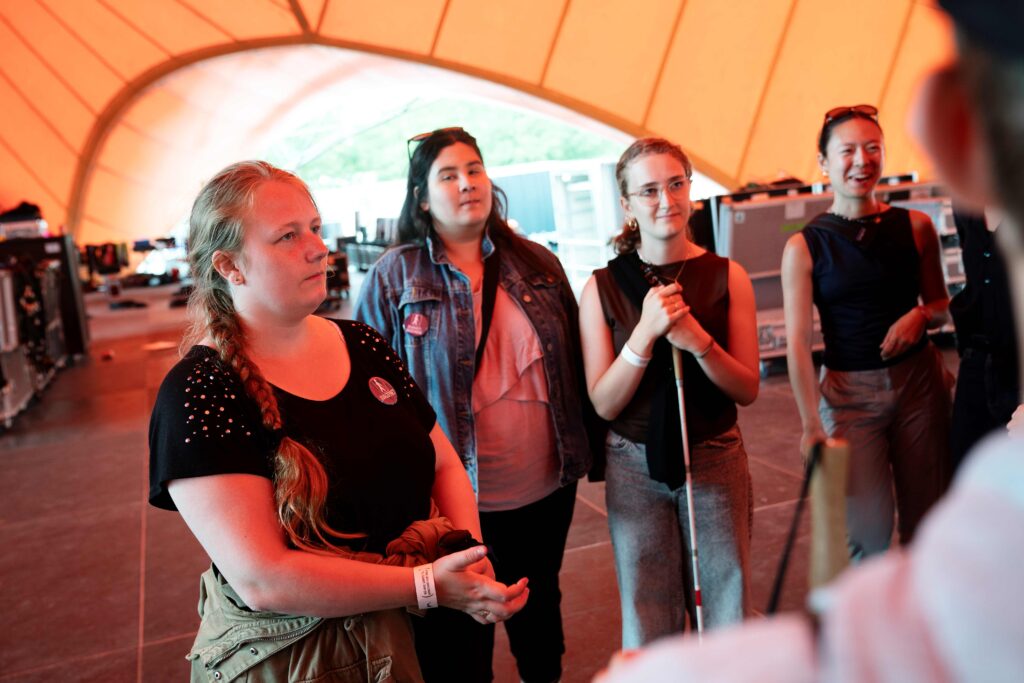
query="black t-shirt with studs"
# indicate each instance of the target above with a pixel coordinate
(373, 436)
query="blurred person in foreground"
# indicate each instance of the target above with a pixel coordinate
(987, 382)
(948, 607)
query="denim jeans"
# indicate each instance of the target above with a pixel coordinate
(651, 537)
(897, 422)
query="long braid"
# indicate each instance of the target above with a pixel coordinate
(300, 481)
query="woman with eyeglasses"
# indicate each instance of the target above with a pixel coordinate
(664, 292)
(486, 322)
(874, 273)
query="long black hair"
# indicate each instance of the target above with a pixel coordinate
(415, 224)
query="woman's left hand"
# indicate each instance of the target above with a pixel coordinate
(687, 334)
(486, 600)
(903, 334)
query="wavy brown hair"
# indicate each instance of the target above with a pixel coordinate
(217, 223)
(629, 238)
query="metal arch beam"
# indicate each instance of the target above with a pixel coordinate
(300, 17)
(116, 106)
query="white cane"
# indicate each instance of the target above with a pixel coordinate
(677, 365)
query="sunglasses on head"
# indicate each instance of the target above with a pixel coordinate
(417, 139)
(856, 110)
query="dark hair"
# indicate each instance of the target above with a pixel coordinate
(629, 238)
(415, 224)
(996, 86)
(826, 129)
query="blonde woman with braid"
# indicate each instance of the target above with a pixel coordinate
(304, 459)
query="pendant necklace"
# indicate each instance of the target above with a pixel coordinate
(654, 276)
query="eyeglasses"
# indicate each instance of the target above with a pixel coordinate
(423, 136)
(651, 195)
(857, 109)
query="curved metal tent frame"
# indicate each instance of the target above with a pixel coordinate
(740, 84)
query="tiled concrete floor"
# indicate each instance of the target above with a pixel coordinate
(98, 586)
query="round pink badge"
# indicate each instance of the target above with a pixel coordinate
(383, 391)
(416, 324)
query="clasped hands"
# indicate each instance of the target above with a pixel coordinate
(666, 314)
(465, 581)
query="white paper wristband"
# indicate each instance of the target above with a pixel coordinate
(426, 591)
(634, 359)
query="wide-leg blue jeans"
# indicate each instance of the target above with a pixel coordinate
(651, 538)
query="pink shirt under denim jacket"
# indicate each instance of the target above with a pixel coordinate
(423, 306)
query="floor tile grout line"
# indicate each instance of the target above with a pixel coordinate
(758, 508)
(85, 658)
(769, 463)
(589, 546)
(170, 639)
(593, 506)
(58, 516)
(770, 506)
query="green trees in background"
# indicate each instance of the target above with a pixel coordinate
(327, 152)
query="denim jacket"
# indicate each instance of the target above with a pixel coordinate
(439, 344)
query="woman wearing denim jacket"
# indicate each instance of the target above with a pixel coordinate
(516, 417)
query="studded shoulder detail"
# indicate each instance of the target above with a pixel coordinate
(214, 402)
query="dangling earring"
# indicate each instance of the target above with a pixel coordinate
(633, 224)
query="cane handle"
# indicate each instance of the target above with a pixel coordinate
(829, 553)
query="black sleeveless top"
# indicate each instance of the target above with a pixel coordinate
(705, 281)
(866, 276)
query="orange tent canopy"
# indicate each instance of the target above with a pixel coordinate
(105, 127)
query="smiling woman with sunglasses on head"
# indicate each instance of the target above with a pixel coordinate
(304, 459)
(486, 322)
(703, 305)
(874, 274)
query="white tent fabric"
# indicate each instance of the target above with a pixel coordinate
(107, 129)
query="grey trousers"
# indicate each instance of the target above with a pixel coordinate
(897, 422)
(651, 537)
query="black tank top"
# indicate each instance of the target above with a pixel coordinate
(866, 276)
(705, 281)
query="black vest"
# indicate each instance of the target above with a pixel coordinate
(652, 416)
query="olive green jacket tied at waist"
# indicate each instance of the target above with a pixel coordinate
(235, 643)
